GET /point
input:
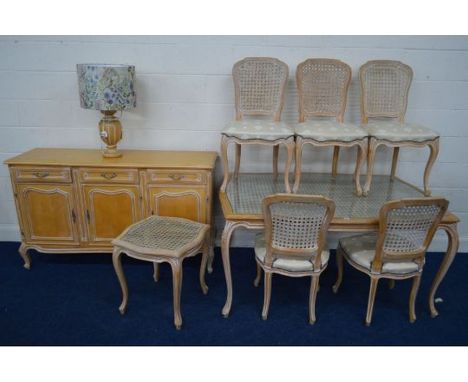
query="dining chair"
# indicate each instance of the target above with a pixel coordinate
(294, 241)
(259, 86)
(384, 98)
(397, 251)
(322, 86)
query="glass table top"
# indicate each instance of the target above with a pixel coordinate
(246, 193)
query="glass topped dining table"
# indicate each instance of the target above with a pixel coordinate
(241, 203)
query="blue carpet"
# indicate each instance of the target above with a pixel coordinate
(73, 300)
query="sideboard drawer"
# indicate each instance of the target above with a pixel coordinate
(176, 177)
(42, 174)
(108, 175)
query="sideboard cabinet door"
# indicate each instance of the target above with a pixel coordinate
(183, 202)
(109, 210)
(48, 214)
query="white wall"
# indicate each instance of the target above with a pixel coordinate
(185, 97)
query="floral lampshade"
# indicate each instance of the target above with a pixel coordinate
(106, 87)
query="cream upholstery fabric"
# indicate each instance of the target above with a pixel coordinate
(395, 132)
(326, 130)
(361, 250)
(292, 265)
(258, 129)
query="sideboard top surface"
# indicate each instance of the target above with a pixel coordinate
(129, 158)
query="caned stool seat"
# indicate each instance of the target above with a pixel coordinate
(162, 239)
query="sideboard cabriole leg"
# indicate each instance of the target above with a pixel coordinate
(225, 243)
(453, 242)
(23, 251)
(117, 261)
(434, 151)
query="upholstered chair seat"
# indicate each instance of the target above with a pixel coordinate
(360, 250)
(397, 132)
(258, 129)
(287, 264)
(327, 130)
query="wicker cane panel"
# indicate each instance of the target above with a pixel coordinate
(296, 225)
(407, 228)
(259, 84)
(323, 86)
(166, 233)
(385, 86)
(247, 192)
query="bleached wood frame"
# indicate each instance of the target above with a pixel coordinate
(433, 144)
(361, 144)
(274, 113)
(380, 257)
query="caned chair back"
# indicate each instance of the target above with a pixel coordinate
(384, 89)
(322, 86)
(259, 85)
(406, 229)
(296, 226)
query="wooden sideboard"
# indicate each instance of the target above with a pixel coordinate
(75, 200)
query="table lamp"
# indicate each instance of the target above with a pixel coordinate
(107, 88)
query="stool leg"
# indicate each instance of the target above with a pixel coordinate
(117, 261)
(204, 261)
(177, 288)
(156, 272)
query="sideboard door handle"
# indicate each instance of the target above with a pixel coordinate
(73, 216)
(41, 174)
(109, 176)
(87, 216)
(176, 176)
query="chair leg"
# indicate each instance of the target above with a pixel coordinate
(391, 283)
(373, 143)
(434, 151)
(396, 151)
(177, 288)
(205, 255)
(238, 159)
(275, 161)
(413, 295)
(336, 155)
(290, 146)
(117, 261)
(156, 272)
(266, 294)
(224, 159)
(370, 302)
(259, 276)
(298, 164)
(313, 298)
(339, 264)
(361, 156)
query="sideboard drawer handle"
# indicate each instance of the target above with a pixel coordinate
(109, 176)
(41, 174)
(176, 176)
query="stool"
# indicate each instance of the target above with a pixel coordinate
(162, 239)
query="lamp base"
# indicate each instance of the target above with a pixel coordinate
(110, 131)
